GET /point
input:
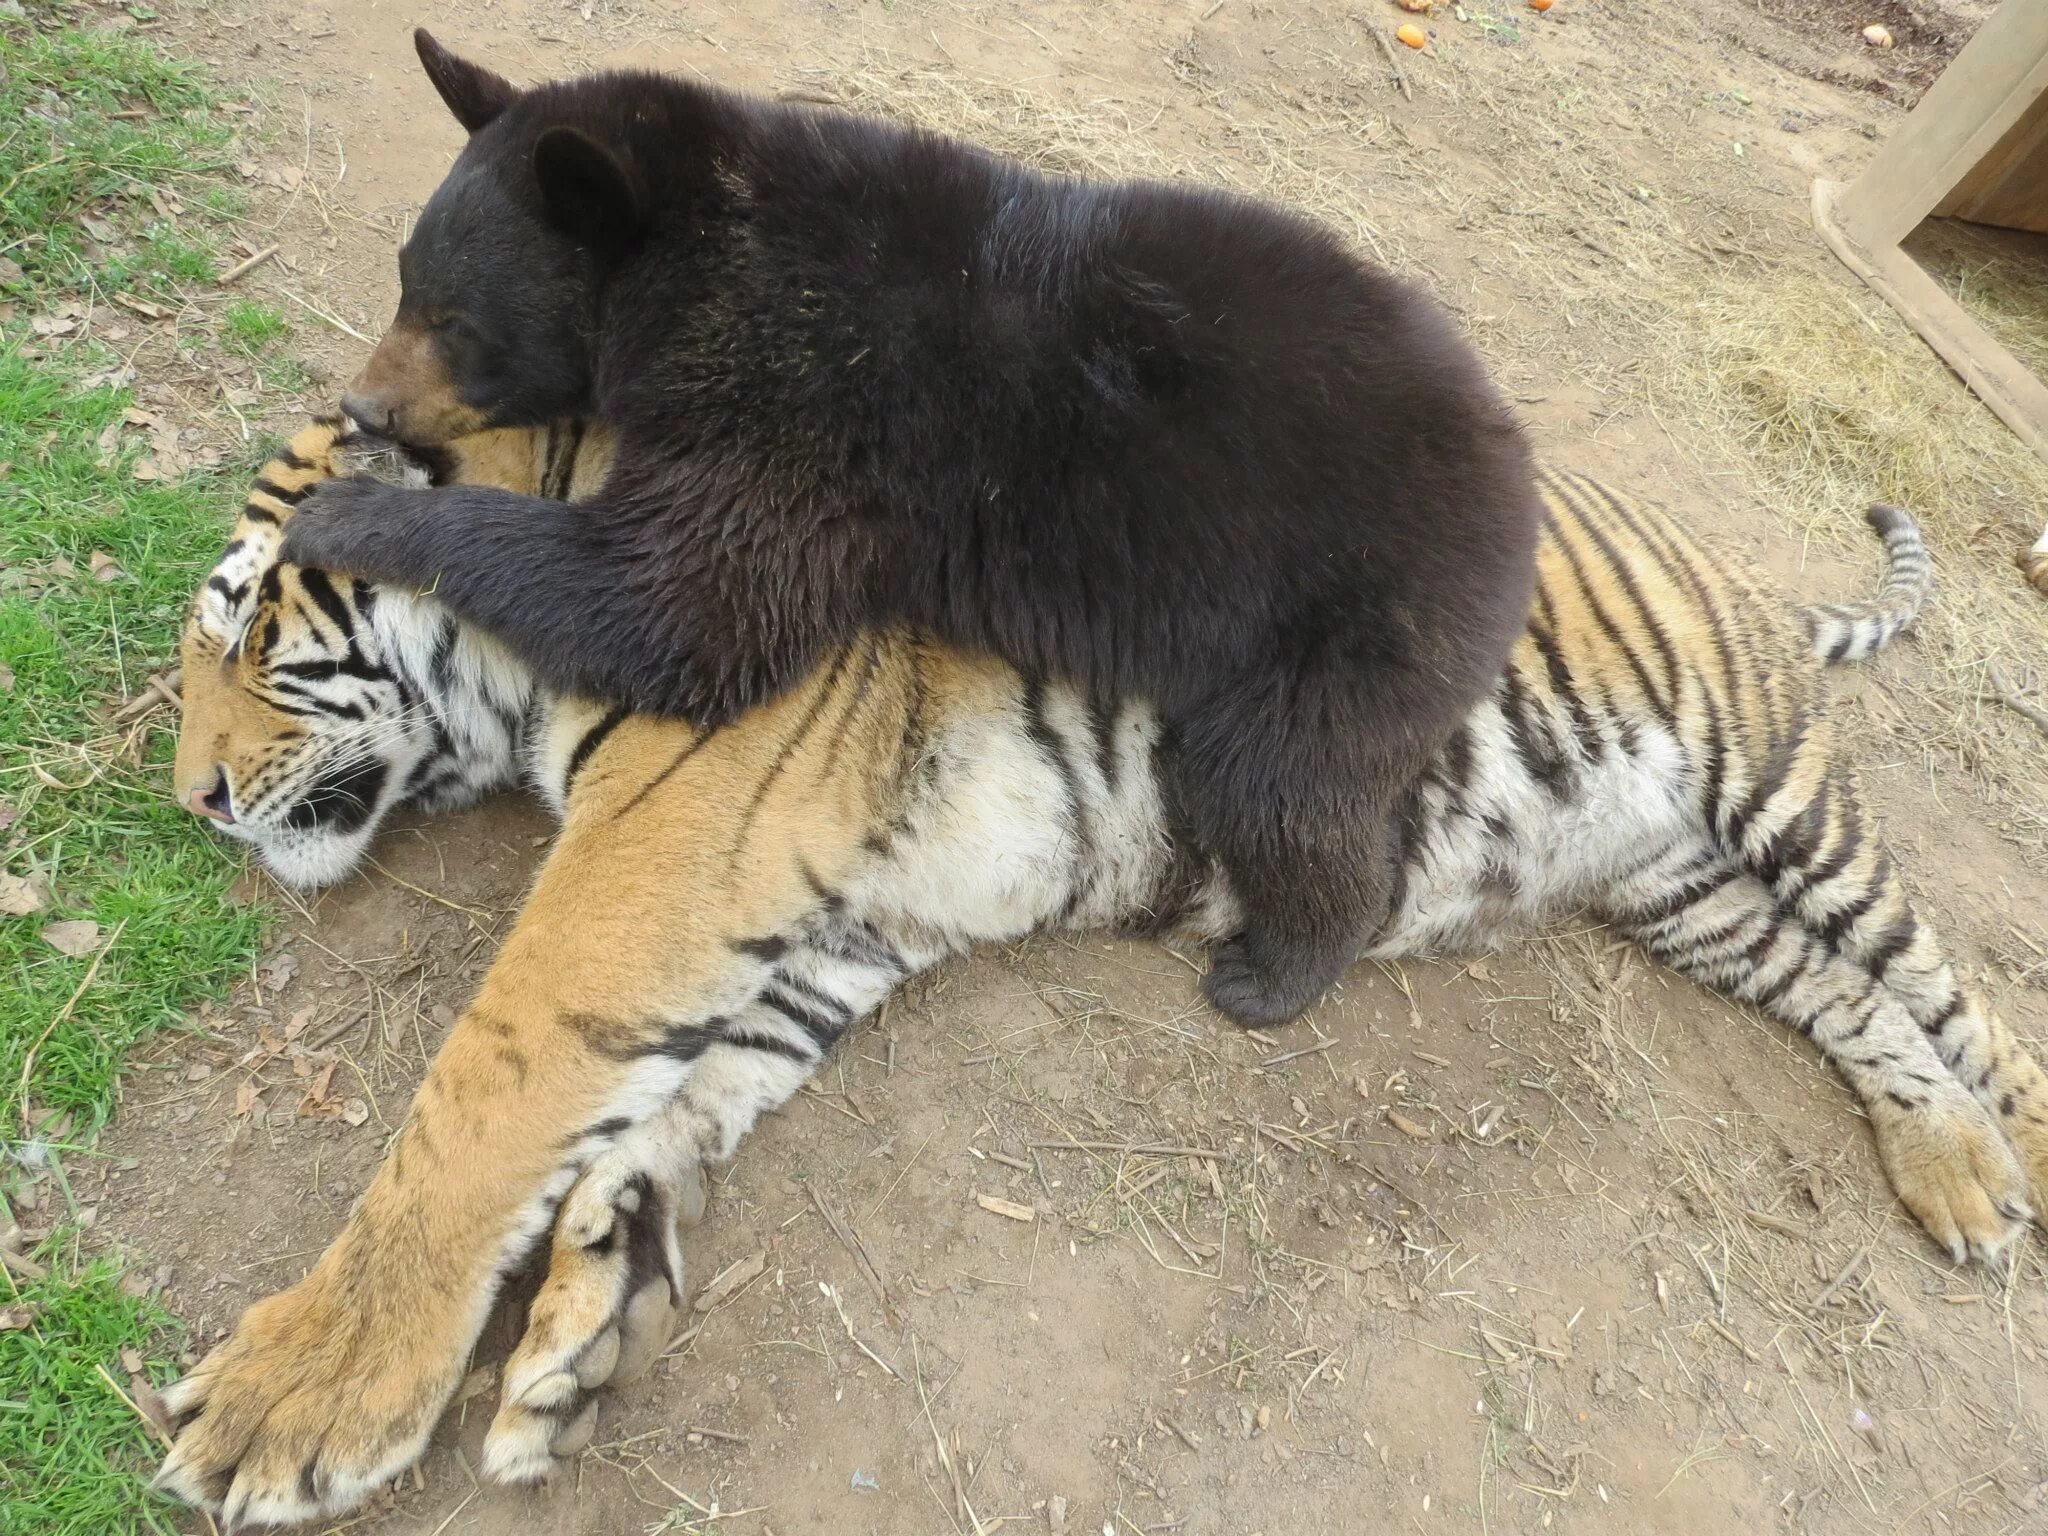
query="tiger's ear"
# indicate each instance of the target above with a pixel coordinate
(473, 93)
(588, 195)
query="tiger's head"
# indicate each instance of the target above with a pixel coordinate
(315, 704)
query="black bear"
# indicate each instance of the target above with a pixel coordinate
(1160, 439)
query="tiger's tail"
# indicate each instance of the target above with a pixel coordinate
(1851, 631)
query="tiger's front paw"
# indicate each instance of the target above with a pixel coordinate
(609, 1303)
(1955, 1172)
(322, 1393)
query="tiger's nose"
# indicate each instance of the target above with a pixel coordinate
(215, 804)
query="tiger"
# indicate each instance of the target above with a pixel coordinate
(721, 907)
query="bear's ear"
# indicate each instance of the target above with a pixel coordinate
(587, 194)
(473, 93)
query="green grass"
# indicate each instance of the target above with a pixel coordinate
(64, 157)
(253, 327)
(113, 850)
(72, 1454)
(89, 203)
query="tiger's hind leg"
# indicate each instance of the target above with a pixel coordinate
(1826, 864)
(1702, 913)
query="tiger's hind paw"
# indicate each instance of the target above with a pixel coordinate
(1955, 1172)
(608, 1304)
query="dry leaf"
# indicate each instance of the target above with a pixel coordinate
(105, 567)
(10, 813)
(245, 1096)
(150, 1404)
(297, 1026)
(19, 897)
(10, 270)
(18, 1316)
(145, 469)
(148, 309)
(277, 971)
(476, 1383)
(79, 936)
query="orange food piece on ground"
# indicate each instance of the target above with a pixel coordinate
(1411, 34)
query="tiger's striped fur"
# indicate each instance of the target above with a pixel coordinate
(721, 907)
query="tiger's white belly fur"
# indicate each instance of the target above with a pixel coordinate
(1006, 832)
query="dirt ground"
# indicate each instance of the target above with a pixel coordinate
(1549, 1241)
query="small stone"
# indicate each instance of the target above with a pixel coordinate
(1056, 1513)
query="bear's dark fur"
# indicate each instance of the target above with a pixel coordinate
(1157, 438)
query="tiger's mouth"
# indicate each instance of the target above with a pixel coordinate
(344, 799)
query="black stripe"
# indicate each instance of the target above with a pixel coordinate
(353, 664)
(290, 458)
(1774, 992)
(1053, 748)
(1783, 761)
(293, 700)
(830, 900)
(1613, 632)
(1837, 923)
(1544, 633)
(682, 1042)
(1624, 572)
(256, 514)
(860, 944)
(591, 740)
(1538, 759)
(772, 1044)
(1453, 768)
(689, 750)
(276, 492)
(821, 1028)
(1682, 565)
(1897, 939)
(863, 686)
(561, 460)
(790, 743)
(1694, 891)
(1941, 1021)
(315, 584)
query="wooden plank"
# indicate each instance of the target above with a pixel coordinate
(2019, 399)
(1984, 92)
(2009, 186)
